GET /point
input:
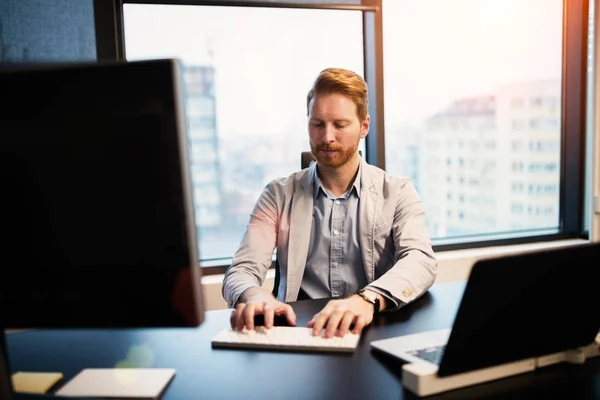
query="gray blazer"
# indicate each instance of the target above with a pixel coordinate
(396, 249)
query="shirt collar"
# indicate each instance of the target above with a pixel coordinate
(356, 185)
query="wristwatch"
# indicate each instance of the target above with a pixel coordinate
(370, 297)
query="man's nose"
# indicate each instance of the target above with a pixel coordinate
(328, 134)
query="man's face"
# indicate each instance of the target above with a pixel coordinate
(334, 129)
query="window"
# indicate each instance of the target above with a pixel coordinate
(534, 123)
(457, 84)
(536, 102)
(516, 208)
(517, 166)
(247, 72)
(517, 187)
(516, 102)
(518, 124)
(451, 71)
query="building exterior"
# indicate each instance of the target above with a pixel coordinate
(529, 121)
(204, 146)
(458, 167)
(490, 164)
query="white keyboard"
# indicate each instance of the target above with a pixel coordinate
(284, 338)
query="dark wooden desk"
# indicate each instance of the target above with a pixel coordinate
(206, 373)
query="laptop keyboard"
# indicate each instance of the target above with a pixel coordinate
(431, 354)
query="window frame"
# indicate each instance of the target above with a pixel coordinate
(108, 16)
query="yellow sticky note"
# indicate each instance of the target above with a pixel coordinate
(35, 382)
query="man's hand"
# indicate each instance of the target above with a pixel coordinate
(338, 315)
(243, 315)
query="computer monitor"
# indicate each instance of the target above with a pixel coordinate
(97, 212)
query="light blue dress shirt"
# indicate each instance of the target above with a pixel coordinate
(334, 264)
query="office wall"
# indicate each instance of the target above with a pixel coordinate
(47, 31)
(452, 266)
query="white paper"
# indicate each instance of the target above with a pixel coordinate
(118, 382)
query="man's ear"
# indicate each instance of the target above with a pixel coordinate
(364, 129)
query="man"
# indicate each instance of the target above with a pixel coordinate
(342, 228)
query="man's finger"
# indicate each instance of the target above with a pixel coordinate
(290, 315)
(249, 316)
(239, 316)
(232, 319)
(319, 322)
(360, 324)
(345, 323)
(333, 323)
(269, 313)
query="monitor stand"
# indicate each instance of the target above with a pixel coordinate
(6, 389)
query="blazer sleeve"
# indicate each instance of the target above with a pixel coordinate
(415, 266)
(254, 256)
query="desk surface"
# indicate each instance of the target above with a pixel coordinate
(204, 372)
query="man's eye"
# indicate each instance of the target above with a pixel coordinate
(317, 124)
(341, 126)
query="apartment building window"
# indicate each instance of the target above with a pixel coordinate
(517, 187)
(516, 102)
(516, 145)
(518, 124)
(517, 166)
(536, 102)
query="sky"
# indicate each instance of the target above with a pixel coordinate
(265, 59)
(435, 51)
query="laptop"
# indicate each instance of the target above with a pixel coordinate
(513, 308)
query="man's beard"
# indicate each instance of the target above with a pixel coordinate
(339, 157)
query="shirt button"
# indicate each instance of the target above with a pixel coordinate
(337, 202)
(335, 232)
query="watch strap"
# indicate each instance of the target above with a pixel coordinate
(374, 300)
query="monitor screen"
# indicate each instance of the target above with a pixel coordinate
(97, 218)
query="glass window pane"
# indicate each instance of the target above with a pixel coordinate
(247, 74)
(472, 110)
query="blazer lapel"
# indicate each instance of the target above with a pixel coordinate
(300, 226)
(368, 209)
